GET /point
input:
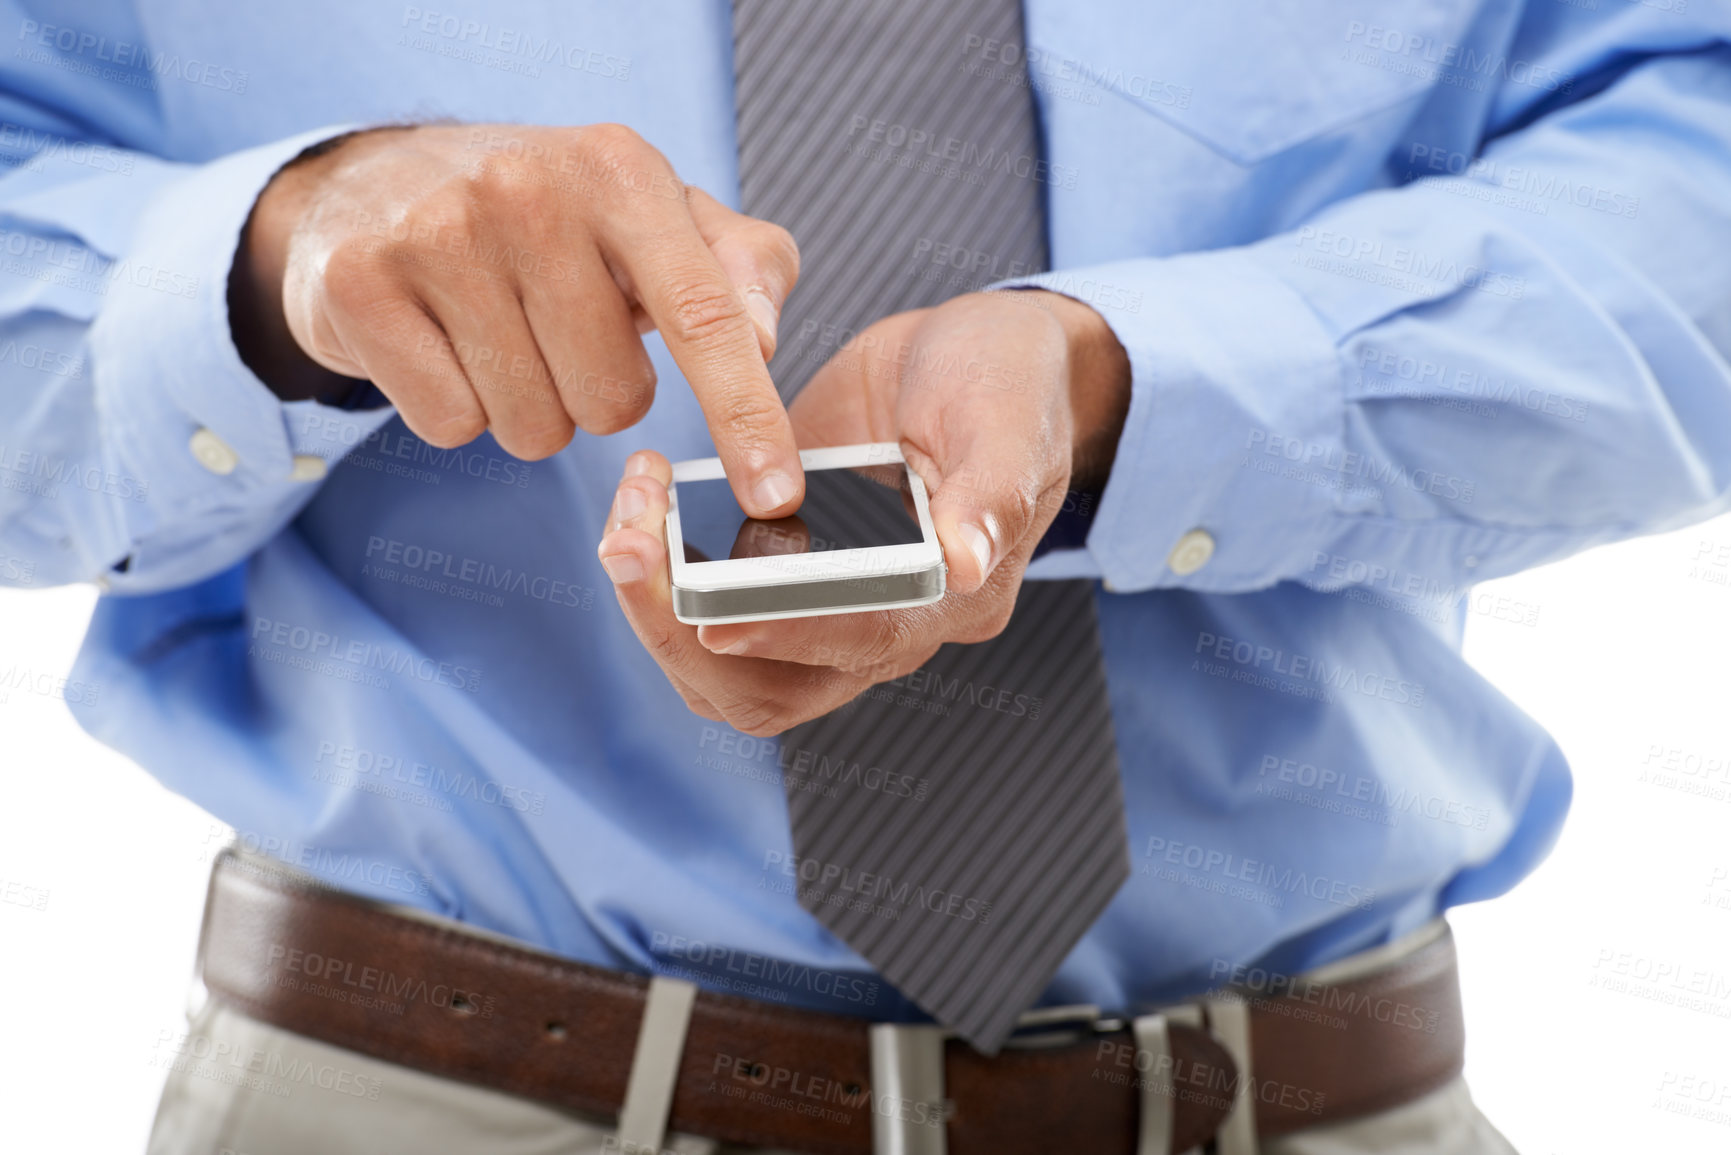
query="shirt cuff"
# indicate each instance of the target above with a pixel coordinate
(180, 409)
(1231, 375)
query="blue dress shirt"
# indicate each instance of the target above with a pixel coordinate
(1415, 295)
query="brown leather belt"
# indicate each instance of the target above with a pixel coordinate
(437, 998)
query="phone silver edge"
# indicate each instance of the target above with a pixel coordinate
(809, 599)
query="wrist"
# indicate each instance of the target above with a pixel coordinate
(1099, 384)
(255, 284)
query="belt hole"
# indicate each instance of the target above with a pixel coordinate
(462, 1005)
(556, 1031)
(852, 1089)
(756, 1069)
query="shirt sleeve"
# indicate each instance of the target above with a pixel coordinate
(1490, 367)
(138, 450)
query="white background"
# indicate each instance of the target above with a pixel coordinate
(1575, 1047)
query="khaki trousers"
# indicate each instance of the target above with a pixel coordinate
(237, 1086)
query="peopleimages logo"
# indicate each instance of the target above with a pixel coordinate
(377, 980)
(1259, 873)
(257, 1069)
(1453, 64)
(1536, 183)
(47, 685)
(1423, 378)
(381, 450)
(1319, 459)
(483, 575)
(1373, 259)
(809, 767)
(1267, 989)
(1331, 790)
(779, 973)
(950, 155)
(396, 768)
(20, 894)
(1336, 675)
(328, 866)
(360, 655)
(41, 147)
(525, 44)
(45, 474)
(863, 885)
(132, 64)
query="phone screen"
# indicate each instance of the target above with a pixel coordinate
(858, 508)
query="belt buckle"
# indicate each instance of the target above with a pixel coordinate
(908, 1109)
(1060, 1026)
(907, 1062)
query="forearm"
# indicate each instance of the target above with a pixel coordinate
(1273, 406)
(156, 458)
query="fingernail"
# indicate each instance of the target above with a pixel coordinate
(623, 568)
(636, 465)
(629, 503)
(763, 311)
(774, 491)
(978, 544)
(739, 646)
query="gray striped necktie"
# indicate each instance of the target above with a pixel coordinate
(864, 132)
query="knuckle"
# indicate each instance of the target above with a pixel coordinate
(540, 441)
(663, 640)
(873, 668)
(445, 217)
(746, 410)
(698, 704)
(1052, 498)
(892, 638)
(604, 406)
(608, 141)
(702, 708)
(990, 624)
(509, 194)
(352, 274)
(705, 314)
(449, 430)
(608, 418)
(777, 245)
(758, 717)
(1021, 506)
(619, 157)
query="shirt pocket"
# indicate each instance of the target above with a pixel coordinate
(1249, 78)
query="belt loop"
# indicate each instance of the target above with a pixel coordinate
(1229, 1020)
(908, 1071)
(1186, 1014)
(655, 1065)
(1154, 1135)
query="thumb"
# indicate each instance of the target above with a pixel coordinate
(759, 257)
(987, 501)
(975, 538)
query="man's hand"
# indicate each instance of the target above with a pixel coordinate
(499, 277)
(996, 399)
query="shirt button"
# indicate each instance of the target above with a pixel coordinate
(1191, 553)
(308, 467)
(213, 452)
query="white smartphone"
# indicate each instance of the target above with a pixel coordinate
(862, 540)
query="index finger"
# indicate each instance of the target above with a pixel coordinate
(704, 321)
